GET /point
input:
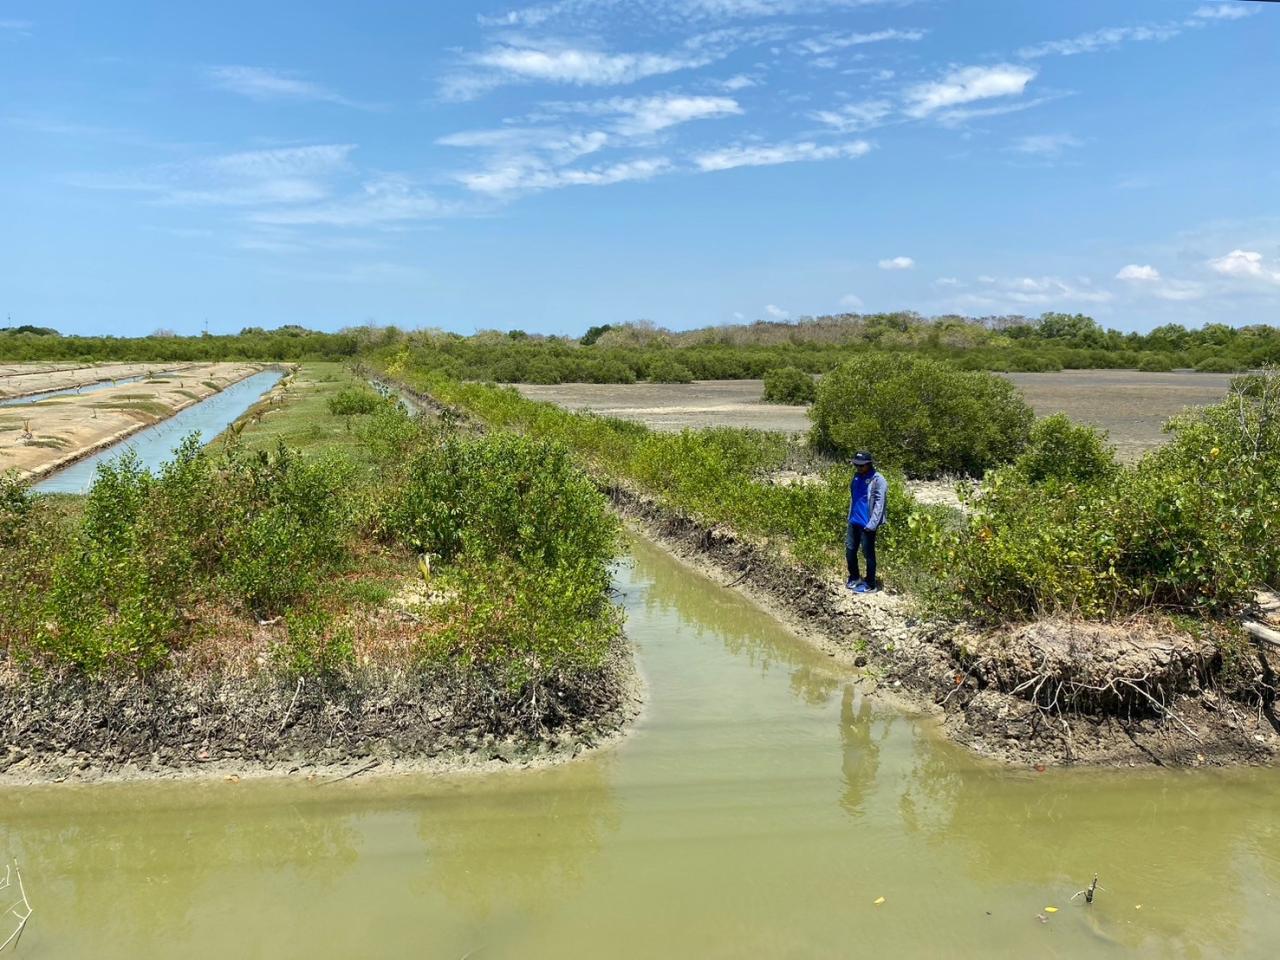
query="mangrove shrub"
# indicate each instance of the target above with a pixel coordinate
(921, 416)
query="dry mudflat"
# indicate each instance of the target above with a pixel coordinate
(22, 379)
(1131, 406)
(38, 438)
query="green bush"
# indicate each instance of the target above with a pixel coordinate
(1156, 363)
(254, 529)
(1191, 527)
(1220, 365)
(789, 385)
(668, 370)
(352, 401)
(923, 417)
(314, 646)
(501, 495)
(1066, 451)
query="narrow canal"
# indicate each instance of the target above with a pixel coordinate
(155, 444)
(762, 807)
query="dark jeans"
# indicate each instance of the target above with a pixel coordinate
(859, 536)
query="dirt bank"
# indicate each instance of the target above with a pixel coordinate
(42, 438)
(177, 727)
(19, 380)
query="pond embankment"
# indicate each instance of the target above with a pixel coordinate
(1055, 691)
(45, 437)
(180, 724)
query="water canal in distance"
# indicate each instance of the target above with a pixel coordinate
(760, 808)
(155, 444)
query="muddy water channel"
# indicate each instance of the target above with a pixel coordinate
(760, 808)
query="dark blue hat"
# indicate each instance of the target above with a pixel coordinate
(862, 458)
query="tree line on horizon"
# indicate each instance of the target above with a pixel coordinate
(625, 353)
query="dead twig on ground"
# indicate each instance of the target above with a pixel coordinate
(354, 773)
(20, 909)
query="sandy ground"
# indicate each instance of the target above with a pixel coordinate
(37, 439)
(1132, 407)
(675, 406)
(20, 379)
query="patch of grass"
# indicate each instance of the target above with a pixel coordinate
(304, 420)
(212, 384)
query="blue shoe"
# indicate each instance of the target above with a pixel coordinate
(853, 584)
(863, 588)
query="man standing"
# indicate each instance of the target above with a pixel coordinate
(868, 497)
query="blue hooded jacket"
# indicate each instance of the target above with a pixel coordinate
(868, 497)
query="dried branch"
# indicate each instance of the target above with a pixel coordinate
(20, 908)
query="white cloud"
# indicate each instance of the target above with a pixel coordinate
(645, 115)
(739, 82)
(776, 312)
(287, 161)
(1179, 290)
(947, 282)
(1046, 292)
(853, 117)
(582, 67)
(559, 146)
(387, 200)
(965, 85)
(1138, 272)
(530, 176)
(289, 175)
(259, 83)
(18, 26)
(577, 66)
(828, 42)
(668, 12)
(759, 155)
(1046, 144)
(852, 301)
(1245, 264)
(1226, 10)
(897, 263)
(1106, 39)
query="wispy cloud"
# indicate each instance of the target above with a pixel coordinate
(514, 63)
(829, 42)
(1045, 144)
(1226, 10)
(384, 201)
(261, 83)
(965, 85)
(591, 12)
(16, 26)
(762, 155)
(775, 311)
(289, 175)
(529, 176)
(1033, 292)
(855, 117)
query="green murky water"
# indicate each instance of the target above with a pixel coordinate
(758, 810)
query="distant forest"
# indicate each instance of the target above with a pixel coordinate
(629, 352)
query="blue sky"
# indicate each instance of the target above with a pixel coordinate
(691, 162)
